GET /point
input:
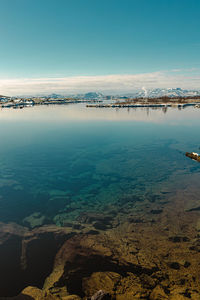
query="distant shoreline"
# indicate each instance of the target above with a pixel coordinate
(30, 103)
(164, 102)
(160, 102)
(164, 105)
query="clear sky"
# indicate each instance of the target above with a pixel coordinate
(51, 39)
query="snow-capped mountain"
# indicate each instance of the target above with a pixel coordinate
(143, 92)
(90, 96)
(169, 92)
(150, 93)
(54, 96)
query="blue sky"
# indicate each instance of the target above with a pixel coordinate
(43, 39)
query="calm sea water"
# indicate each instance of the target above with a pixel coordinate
(60, 161)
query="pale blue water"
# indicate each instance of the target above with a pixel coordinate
(63, 161)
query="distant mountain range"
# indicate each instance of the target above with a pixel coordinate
(150, 93)
(87, 96)
(170, 92)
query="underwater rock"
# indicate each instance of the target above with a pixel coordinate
(89, 218)
(99, 226)
(156, 211)
(187, 264)
(26, 257)
(71, 297)
(67, 224)
(92, 232)
(77, 226)
(135, 220)
(178, 239)
(149, 262)
(33, 293)
(193, 209)
(183, 294)
(85, 264)
(99, 280)
(174, 265)
(147, 281)
(152, 197)
(158, 294)
(197, 226)
(101, 295)
(12, 281)
(35, 220)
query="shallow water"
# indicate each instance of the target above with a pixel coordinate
(59, 162)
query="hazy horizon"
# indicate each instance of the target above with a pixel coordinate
(109, 84)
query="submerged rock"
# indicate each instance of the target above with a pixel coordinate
(156, 211)
(71, 297)
(26, 257)
(101, 295)
(33, 293)
(174, 265)
(99, 280)
(137, 260)
(89, 218)
(86, 264)
(99, 225)
(158, 294)
(35, 220)
(178, 239)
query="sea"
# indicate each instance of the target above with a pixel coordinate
(58, 162)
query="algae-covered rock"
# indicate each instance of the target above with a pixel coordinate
(35, 220)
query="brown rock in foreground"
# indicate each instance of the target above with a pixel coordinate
(26, 257)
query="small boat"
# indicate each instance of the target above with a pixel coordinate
(193, 155)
